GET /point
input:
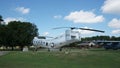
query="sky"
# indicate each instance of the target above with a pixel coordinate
(48, 14)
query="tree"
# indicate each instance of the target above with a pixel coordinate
(108, 38)
(1, 20)
(2, 34)
(22, 33)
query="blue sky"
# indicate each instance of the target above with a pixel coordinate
(48, 14)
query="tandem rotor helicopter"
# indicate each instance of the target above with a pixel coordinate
(70, 36)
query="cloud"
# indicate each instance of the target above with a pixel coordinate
(46, 33)
(114, 23)
(23, 10)
(57, 16)
(84, 17)
(111, 6)
(85, 32)
(7, 20)
(116, 31)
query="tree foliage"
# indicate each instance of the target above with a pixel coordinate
(17, 33)
(108, 38)
(3, 34)
(1, 19)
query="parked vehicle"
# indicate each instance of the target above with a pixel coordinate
(111, 45)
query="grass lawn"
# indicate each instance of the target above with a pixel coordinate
(74, 59)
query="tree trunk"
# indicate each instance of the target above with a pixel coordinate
(12, 48)
(21, 48)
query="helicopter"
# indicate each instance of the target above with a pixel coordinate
(70, 36)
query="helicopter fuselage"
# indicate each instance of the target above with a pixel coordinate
(65, 39)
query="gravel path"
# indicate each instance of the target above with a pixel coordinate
(3, 52)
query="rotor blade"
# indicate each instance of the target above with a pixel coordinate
(92, 30)
(49, 37)
(61, 27)
(80, 28)
(45, 37)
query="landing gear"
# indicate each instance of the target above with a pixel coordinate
(36, 49)
(60, 49)
(48, 49)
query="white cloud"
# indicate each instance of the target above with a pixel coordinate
(111, 6)
(116, 31)
(7, 20)
(85, 32)
(114, 23)
(57, 16)
(46, 33)
(23, 10)
(84, 17)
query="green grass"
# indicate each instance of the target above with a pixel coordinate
(74, 59)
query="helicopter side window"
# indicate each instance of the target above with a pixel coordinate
(46, 43)
(73, 37)
(36, 42)
(40, 42)
(43, 42)
(67, 34)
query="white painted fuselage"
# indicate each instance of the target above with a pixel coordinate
(68, 37)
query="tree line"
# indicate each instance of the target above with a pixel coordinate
(17, 33)
(108, 38)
